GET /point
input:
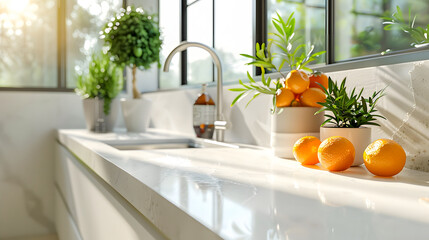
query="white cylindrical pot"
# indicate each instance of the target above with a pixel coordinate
(297, 120)
(136, 114)
(292, 124)
(359, 137)
(95, 118)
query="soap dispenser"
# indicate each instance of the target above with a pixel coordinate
(204, 114)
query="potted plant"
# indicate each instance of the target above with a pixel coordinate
(133, 39)
(294, 101)
(347, 113)
(99, 87)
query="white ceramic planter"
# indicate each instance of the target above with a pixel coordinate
(360, 137)
(136, 114)
(95, 118)
(292, 124)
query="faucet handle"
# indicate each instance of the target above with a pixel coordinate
(221, 124)
(220, 127)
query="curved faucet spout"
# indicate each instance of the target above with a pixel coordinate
(220, 123)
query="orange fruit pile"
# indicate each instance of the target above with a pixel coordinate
(302, 90)
(384, 158)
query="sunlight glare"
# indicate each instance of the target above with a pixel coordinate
(15, 6)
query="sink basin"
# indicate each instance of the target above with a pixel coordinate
(169, 144)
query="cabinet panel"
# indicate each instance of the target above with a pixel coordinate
(98, 210)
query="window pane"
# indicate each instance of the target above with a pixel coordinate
(310, 21)
(359, 29)
(233, 36)
(28, 43)
(200, 29)
(169, 21)
(84, 20)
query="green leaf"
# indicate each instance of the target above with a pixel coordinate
(254, 96)
(263, 76)
(237, 89)
(279, 29)
(238, 98)
(250, 78)
(249, 56)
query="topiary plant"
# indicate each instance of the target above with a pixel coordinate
(103, 80)
(133, 39)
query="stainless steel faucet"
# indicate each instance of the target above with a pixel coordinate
(220, 122)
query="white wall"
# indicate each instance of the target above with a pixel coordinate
(405, 106)
(27, 135)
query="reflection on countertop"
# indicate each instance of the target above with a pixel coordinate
(245, 193)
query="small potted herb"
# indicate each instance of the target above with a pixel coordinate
(347, 113)
(133, 39)
(293, 98)
(98, 88)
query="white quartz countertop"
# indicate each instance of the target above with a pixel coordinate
(244, 193)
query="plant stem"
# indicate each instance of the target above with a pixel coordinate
(136, 93)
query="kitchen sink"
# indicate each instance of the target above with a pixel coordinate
(169, 144)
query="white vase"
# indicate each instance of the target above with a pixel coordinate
(292, 124)
(95, 118)
(359, 137)
(136, 114)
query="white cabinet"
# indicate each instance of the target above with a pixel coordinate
(89, 209)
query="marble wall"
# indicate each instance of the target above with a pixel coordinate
(405, 106)
(28, 122)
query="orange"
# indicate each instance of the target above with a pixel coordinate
(297, 81)
(312, 96)
(305, 150)
(336, 153)
(284, 98)
(384, 157)
(318, 77)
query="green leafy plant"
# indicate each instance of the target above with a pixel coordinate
(103, 80)
(133, 39)
(419, 34)
(349, 110)
(291, 53)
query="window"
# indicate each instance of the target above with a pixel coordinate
(225, 25)
(359, 27)
(44, 42)
(310, 20)
(84, 20)
(28, 40)
(355, 33)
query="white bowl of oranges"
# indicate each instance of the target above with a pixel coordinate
(297, 102)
